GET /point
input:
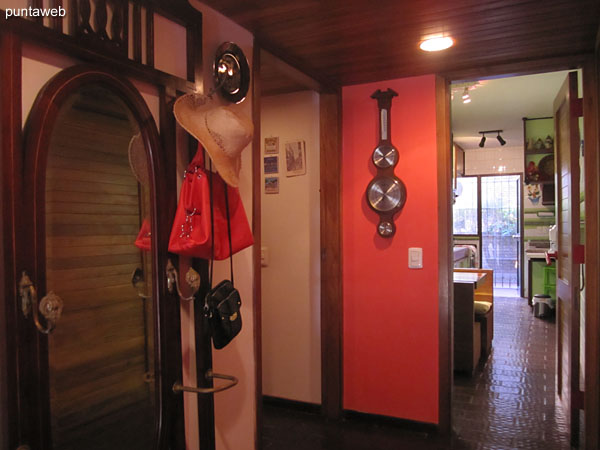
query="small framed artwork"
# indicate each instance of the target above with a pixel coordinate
(271, 164)
(271, 185)
(272, 145)
(295, 158)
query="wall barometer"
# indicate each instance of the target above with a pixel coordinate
(386, 193)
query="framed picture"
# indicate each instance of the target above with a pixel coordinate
(295, 158)
(272, 145)
(271, 164)
(271, 185)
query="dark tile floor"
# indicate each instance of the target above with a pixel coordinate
(510, 403)
(507, 404)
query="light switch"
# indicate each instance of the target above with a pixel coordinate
(415, 258)
(264, 256)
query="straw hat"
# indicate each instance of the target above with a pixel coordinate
(221, 131)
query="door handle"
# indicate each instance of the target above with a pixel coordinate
(192, 278)
(178, 387)
(50, 306)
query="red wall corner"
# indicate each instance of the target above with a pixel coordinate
(390, 311)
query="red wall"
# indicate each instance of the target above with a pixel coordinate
(391, 311)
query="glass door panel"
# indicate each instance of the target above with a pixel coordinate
(500, 235)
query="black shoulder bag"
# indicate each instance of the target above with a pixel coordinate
(222, 303)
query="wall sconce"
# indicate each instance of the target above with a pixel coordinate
(500, 139)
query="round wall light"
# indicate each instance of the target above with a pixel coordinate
(436, 44)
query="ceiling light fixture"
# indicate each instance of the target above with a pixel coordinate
(502, 141)
(466, 98)
(436, 44)
(482, 142)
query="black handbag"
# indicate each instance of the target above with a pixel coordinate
(222, 303)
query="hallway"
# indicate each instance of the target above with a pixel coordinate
(508, 404)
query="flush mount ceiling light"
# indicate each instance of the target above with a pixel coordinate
(482, 142)
(436, 44)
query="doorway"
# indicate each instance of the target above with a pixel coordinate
(290, 248)
(503, 230)
(277, 78)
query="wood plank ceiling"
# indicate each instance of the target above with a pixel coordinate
(344, 42)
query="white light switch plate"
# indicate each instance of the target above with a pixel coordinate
(415, 258)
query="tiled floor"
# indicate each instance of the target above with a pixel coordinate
(508, 404)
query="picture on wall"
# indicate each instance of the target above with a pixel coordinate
(295, 158)
(271, 145)
(271, 164)
(271, 185)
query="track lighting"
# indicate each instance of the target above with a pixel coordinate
(466, 98)
(500, 140)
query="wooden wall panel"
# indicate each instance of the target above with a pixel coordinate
(445, 258)
(350, 42)
(332, 378)
(101, 350)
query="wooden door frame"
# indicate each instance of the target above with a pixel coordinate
(591, 108)
(330, 134)
(38, 129)
(591, 121)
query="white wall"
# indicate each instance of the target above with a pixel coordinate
(494, 161)
(291, 340)
(235, 409)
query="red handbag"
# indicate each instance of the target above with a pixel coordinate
(144, 238)
(191, 232)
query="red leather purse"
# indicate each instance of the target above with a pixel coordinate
(191, 232)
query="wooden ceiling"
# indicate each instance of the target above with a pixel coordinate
(343, 42)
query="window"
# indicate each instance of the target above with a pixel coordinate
(465, 207)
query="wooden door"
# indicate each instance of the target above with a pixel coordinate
(567, 109)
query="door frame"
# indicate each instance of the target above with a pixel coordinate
(591, 109)
(31, 245)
